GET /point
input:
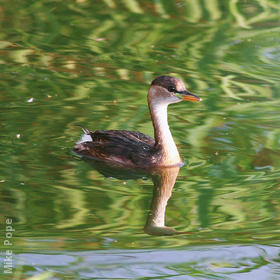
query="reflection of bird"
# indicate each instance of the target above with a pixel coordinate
(135, 149)
(164, 180)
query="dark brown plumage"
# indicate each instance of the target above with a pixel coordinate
(122, 147)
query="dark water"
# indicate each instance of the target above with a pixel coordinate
(65, 63)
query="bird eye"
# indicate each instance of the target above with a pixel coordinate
(172, 89)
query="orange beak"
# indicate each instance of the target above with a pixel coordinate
(186, 95)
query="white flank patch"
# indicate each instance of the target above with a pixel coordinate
(85, 138)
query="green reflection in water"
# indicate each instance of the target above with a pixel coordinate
(82, 63)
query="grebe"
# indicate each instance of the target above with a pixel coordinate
(134, 149)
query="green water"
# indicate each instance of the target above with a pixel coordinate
(69, 63)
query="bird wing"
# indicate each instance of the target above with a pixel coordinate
(125, 147)
(131, 137)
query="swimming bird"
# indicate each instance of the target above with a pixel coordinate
(134, 149)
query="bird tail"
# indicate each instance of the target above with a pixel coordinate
(85, 130)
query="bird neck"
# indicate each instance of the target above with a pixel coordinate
(163, 137)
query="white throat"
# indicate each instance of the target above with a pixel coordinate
(163, 135)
